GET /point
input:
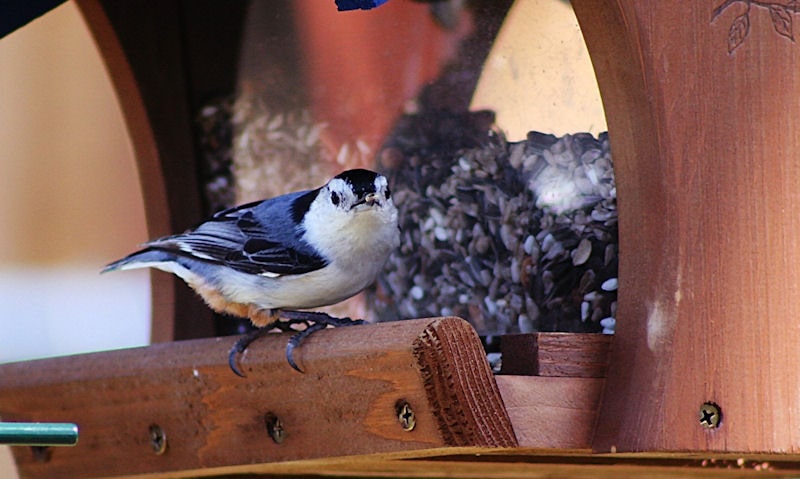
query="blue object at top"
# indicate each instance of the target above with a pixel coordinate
(344, 5)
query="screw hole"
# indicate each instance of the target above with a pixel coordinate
(41, 454)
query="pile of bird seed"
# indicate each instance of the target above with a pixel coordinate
(513, 237)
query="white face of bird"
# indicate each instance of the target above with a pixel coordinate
(357, 190)
(353, 220)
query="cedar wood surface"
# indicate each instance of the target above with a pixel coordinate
(344, 404)
(703, 120)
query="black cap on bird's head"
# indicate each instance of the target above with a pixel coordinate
(362, 181)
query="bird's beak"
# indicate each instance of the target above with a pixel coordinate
(369, 199)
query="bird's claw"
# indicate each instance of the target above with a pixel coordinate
(244, 341)
(295, 341)
(314, 321)
(241, 344)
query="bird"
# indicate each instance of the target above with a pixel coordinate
(273, 260)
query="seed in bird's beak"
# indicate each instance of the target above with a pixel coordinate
(371, 198)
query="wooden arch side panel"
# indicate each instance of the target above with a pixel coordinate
(141, 47)
(698, 98)
(612, 41)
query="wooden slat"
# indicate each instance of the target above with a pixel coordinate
(473, 462)
(551, 412)
(555, 354)
(551, 385)
(540, 463)
(344, 404)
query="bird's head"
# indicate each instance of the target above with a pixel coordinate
(357, 190)
(352, 218)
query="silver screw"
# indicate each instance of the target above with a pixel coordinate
(710, 415)
(158, 440)
(274, 427)
(405, 415)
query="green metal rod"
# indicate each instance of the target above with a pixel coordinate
(38, 434)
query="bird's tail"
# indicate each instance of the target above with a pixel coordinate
(146, 258)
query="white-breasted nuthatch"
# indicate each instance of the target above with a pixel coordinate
(267, 259)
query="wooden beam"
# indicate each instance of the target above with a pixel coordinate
(703, 127)
(177, 406)
(555, 354)
(551, 385)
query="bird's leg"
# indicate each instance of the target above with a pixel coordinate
(314, 321)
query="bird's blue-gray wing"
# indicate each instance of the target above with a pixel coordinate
(256, 238)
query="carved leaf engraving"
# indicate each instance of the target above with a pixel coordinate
(781, 13)
(781, 20)
(740, 27)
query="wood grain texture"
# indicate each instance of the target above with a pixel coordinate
(555, 354)
(481, 463)
(703, 129)
(344, 404)
(467, 418)
(551, 412)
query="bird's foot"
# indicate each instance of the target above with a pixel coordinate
(316, 321)
(313, 321)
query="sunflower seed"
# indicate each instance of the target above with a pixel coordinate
(581, 254)
(609, 285)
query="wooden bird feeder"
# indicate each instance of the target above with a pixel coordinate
(703, 370)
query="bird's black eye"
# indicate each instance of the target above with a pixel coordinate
(335, 198)
(387, 193)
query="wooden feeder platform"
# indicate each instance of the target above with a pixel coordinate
(701, 379)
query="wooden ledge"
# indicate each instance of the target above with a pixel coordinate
(551, 385)
(356, 382)
(528, 463)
